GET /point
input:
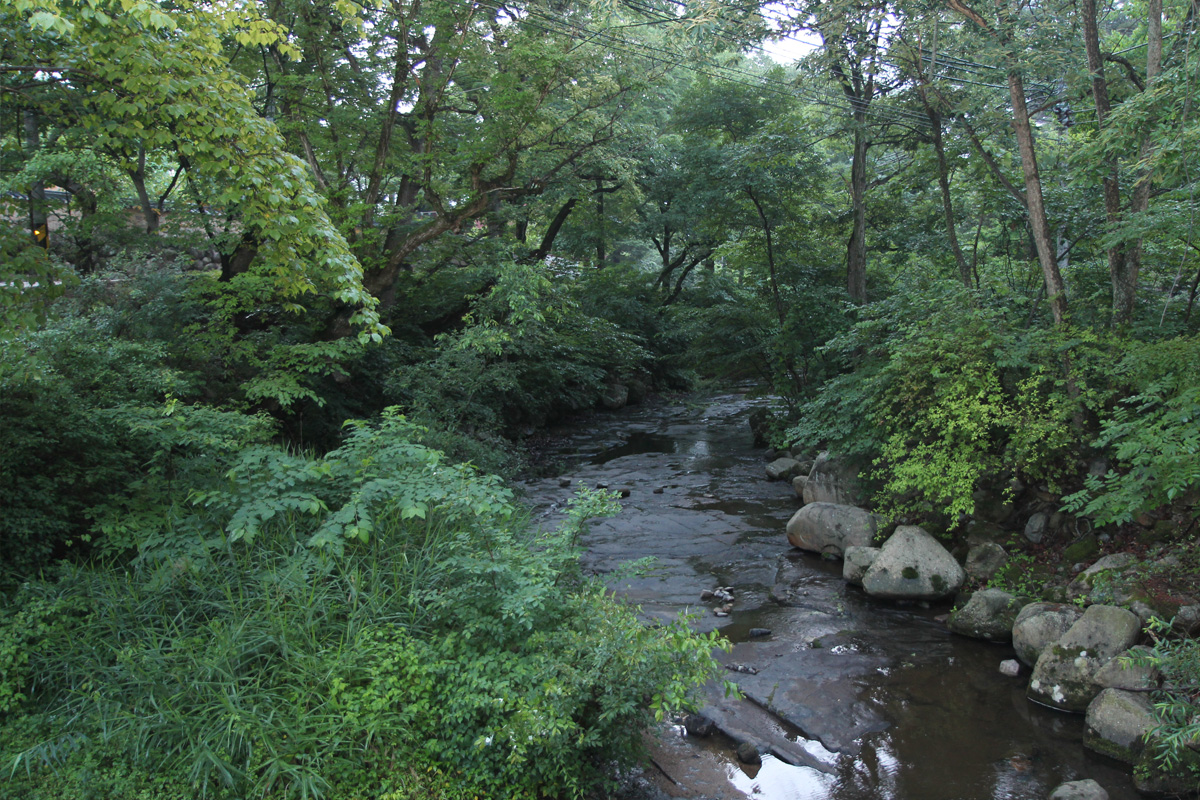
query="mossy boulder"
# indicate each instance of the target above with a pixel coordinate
(984, 560)
(1039, 625)
(1117, 722)
(1063, 677)
(1151, 776)
(857, 561)
(1083, 549)
(989, 614)
(912, 565)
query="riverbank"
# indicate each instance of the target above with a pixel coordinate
(882, 700)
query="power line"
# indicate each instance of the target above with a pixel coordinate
(885, 114)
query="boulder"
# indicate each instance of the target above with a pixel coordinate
(831, 481)
(699, 725)
(1116, 724)
(985, 560)
(614, 396)
(1084, 548)
(783, 469)
(1151, 776)
(1124, 672)
(858, 560)
(831, 528)
(912, 565)
(1035, 527)
(989, 614)
(1100, 576)
(1040, 625)
(1079, 790)
(638, 391)
(749, 753)
(798, 484)
(1063, 675)
(1187, 621)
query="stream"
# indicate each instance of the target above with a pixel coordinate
(846, 698)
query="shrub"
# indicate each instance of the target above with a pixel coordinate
(946, 395)
(64, 452)
(342, 616)
(1153, 434)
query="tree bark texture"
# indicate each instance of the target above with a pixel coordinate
(935, 125)
(856, 248)
(1055, 288)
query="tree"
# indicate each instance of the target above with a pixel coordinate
(140, 72)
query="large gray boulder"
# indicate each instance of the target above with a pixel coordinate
(831, 481)
(1187, 621)
(783, 469)
(1152, 776)
(1103, 577)
(989, 614)
(1039, 625)
(1063, 675)
(985, 560)
(1130, 671)
(1036, 525)
(912, 565)
(1079, 790)
(798, 484)
(1116, 724)
(831, 528)
(857, 561)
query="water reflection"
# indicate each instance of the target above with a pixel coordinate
(637, 443)
(775, 779)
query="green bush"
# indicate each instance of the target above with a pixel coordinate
(527, 352)
(947, 395)
(64, 452)
(342, 616)
(1153, 434)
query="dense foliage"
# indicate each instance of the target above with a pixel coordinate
(959, 245)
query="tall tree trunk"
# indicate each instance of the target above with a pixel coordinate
(138, 176)
(1042, 241)
(1125, 285)
(1112, 189)
(856, 248)
(775, 293)
(1034, 204)
(552, 231)
(935, 124)
(600, 255)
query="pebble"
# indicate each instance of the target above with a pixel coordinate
(659, 490)
(741, 668)
(1010, 667)
(564, 482)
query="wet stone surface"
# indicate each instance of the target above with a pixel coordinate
(846, 697)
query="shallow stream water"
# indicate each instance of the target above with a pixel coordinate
(847, 698)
